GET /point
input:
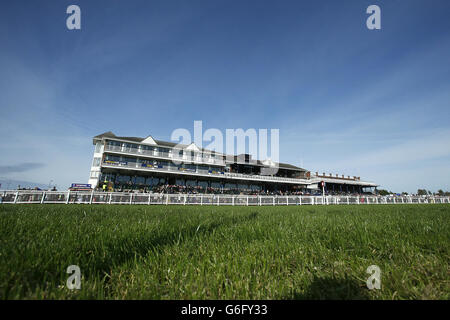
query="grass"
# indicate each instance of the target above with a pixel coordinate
(215, 252)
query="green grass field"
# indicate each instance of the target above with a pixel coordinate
(193, 252)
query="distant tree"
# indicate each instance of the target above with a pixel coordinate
(422, 192)
(440, 192)
(383, 192)
(404, 193)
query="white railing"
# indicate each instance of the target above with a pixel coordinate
(201, 172)
(86, 197)
(165, 155)
(185, 158)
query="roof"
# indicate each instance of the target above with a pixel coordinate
(343, 181)
(162, 143)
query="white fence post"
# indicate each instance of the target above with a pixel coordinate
(43, 197)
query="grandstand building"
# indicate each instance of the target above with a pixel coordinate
(147, 164)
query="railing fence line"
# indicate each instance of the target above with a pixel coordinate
(91, 197)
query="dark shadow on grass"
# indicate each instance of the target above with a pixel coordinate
(333, 289)
(138, 247)
(97, 261)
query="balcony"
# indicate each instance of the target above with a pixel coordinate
(164, 155)
(199, 172)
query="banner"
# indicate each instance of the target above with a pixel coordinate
(118, 163)
(81, 185)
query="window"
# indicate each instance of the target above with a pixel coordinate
(163, 150)
(129, 147)
(152, 181)
(108, 177)
(138, 180)
(129, 159)
(190, 183)
(215, 185)
(191, 167)
(203, 184)
(113, 143)
(98, 147)
(110, 157)
(96, 162)
(95, 174)
(123, 179)
(177, 153)
(147, 148)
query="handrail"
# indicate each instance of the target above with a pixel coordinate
(135, 165)
(164, 155)
(93, 197)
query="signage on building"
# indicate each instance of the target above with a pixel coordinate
(81, 185)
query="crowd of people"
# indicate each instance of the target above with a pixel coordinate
(182, 189)
(36, 189)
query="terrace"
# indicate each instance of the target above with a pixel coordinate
(200, 172)
(167, 155)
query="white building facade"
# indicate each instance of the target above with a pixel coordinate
(131, 163)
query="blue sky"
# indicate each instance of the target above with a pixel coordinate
(346, 99)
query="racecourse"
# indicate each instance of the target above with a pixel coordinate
(224, 252)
